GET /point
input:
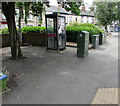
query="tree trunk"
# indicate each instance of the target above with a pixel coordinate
(9, 12)
(106, 28)
(19, 24)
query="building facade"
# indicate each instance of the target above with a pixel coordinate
(85, 17)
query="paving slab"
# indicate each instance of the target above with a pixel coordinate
(106, 96)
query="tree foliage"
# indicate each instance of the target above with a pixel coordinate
(34, 8)
(37, 9)
(27, 8)
(23, 6)
(74, 7)
(106, 12)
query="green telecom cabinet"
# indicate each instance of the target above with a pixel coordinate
(95, 41)
(101, 39)
(83, 44)
(105, 37)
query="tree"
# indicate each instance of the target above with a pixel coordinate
(8, 9)
(106, 13)
(27, 9)
(19, 5)
(22, 6)
(92, 9)
(74, 7)
(37, 9)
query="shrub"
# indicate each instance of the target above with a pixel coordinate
(95, 30)
(4, 31)
(88, 24)
(33, 29)
(74, 28)
(30, 29)
(74, 24)
(98, 30)
(73, 31)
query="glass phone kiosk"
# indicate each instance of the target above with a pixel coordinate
(56, 32)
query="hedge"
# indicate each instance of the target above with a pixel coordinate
(71, 31)
(98, 30)
(30, 29)
(33, 29)
(87, 25)
(75, 28)
(4, 31)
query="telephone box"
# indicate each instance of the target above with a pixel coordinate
(56, 31)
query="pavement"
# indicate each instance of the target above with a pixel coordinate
(74, 45)
(48, 77)
(106, 96)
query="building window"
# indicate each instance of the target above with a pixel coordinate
(70, 18)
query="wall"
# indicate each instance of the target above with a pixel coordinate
(31, 39)
(5, 40)
(35, 39)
